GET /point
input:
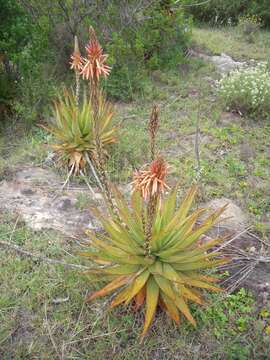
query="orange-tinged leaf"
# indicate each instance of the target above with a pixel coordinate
(152, 296)
(200, 284)
(171, 308)
(120, 298)
(190, 294)
(115, 284)
(182, 306)
(137, 284)
(202, 277)
(140, 298)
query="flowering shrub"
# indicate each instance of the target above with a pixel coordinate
(249, 26)
(247, 90)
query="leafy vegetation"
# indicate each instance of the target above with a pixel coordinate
(38, 35)
(226, 12)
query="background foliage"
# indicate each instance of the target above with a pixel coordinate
(227, 11)
(37, 40)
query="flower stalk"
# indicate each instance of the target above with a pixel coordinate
(93, 68)
(76, 65)
(151, 185)
(152, 129)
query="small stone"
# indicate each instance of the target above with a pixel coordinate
(233, 217)
(27, 191)
(64, 204)
(246, 152)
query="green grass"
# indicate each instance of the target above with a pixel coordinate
(43, 315)
(229, 41)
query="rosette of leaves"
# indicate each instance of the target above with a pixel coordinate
(167, 271)
(73, 127)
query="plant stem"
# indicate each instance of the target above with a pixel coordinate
(151, 211)
(77, 94)
(95, 97)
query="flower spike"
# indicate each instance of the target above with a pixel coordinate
(76, 59)
(94, 65)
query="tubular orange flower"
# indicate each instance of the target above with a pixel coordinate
(152, 181)
(94, 65)
(76, 59)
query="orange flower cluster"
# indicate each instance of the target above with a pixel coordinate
(76, 62)
(94, 65)
(76, 59)
(152, 181)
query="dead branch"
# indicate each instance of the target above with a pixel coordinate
(40, 257)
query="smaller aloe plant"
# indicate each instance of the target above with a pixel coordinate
(84, 129)
(73, 128)
(163, 269)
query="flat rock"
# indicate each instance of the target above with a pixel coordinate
(223, 62)
(233, 217)
(34, 194)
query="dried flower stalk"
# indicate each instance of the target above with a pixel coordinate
(152, 128)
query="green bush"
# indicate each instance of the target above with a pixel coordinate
(225, 12)
(26, 79)
(155, 38)
(249, 26)
(217, 11)
(38, 40)
(247, 90)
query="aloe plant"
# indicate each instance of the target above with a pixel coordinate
(167, 271)
(74, 129)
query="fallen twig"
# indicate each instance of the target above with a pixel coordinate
(40, 257)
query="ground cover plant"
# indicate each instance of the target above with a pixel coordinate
(42, 309)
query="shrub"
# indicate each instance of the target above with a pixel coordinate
(249, 26)
(155, 38)
(223, 12)
(26, 58)
(142, 36)
(220, 12)
(247, 90)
